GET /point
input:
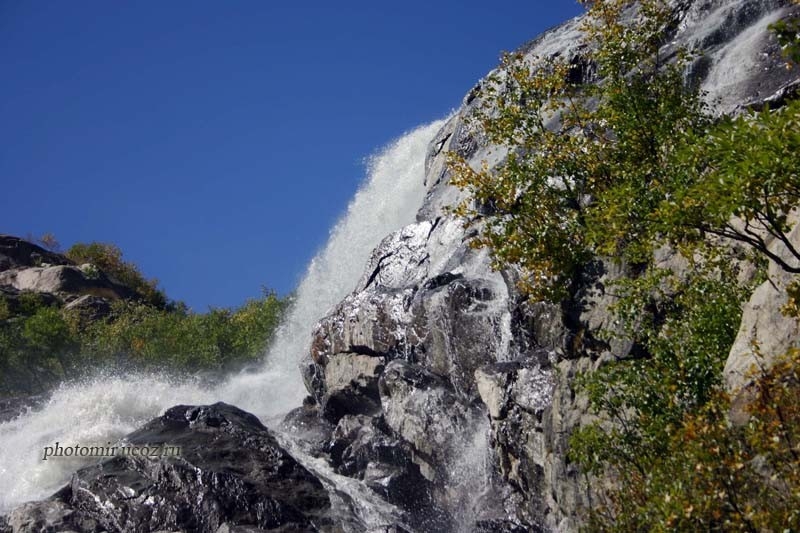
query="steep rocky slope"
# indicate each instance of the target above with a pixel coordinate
(432, 340)
(435, 385)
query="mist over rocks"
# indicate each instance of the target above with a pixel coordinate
(231, 473)
(435, 387)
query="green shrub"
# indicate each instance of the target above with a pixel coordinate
(588, 164)
(108, 258)
(714, 475)
(41, 345)
(178, 339)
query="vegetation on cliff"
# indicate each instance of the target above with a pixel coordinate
(615, 155)
(43, 341)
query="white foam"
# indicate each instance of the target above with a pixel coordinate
(107, 408)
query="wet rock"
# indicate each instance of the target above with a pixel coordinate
(462, 324)
(503, 386)
(306, 424)
(364, 447)
(421, 407)
(231, 471)
(351, 385)
(518, 395)
(48, 517)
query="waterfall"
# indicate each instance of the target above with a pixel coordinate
(105, 408)
(388, 201)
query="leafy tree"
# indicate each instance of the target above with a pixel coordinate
(740, 180)
(587, 162)
(617, 168)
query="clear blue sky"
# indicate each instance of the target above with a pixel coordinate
(217, 142)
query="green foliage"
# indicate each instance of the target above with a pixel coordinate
(41, 345)
(714, 475)
(108, 258)
(37, 346)
(617, 167)
(151, 337)
(587, 163)
(740, 180)
(683, 328)
(788, 34)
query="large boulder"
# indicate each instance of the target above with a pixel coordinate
(231, 472)
(65, 281)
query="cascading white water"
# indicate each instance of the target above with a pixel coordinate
(388, 201)
(106, 408)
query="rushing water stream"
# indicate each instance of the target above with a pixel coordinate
(108, 407)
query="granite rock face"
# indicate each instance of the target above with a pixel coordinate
(763, 324)
(455, 341)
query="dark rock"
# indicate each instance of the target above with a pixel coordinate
(19, 253)
(306, 424)
(90, 307)
(363, 447)
(49, 517)
(231, 473)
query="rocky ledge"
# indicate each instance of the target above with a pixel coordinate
(26, 267)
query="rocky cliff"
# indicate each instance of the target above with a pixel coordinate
(435, 385)
(432, 340)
